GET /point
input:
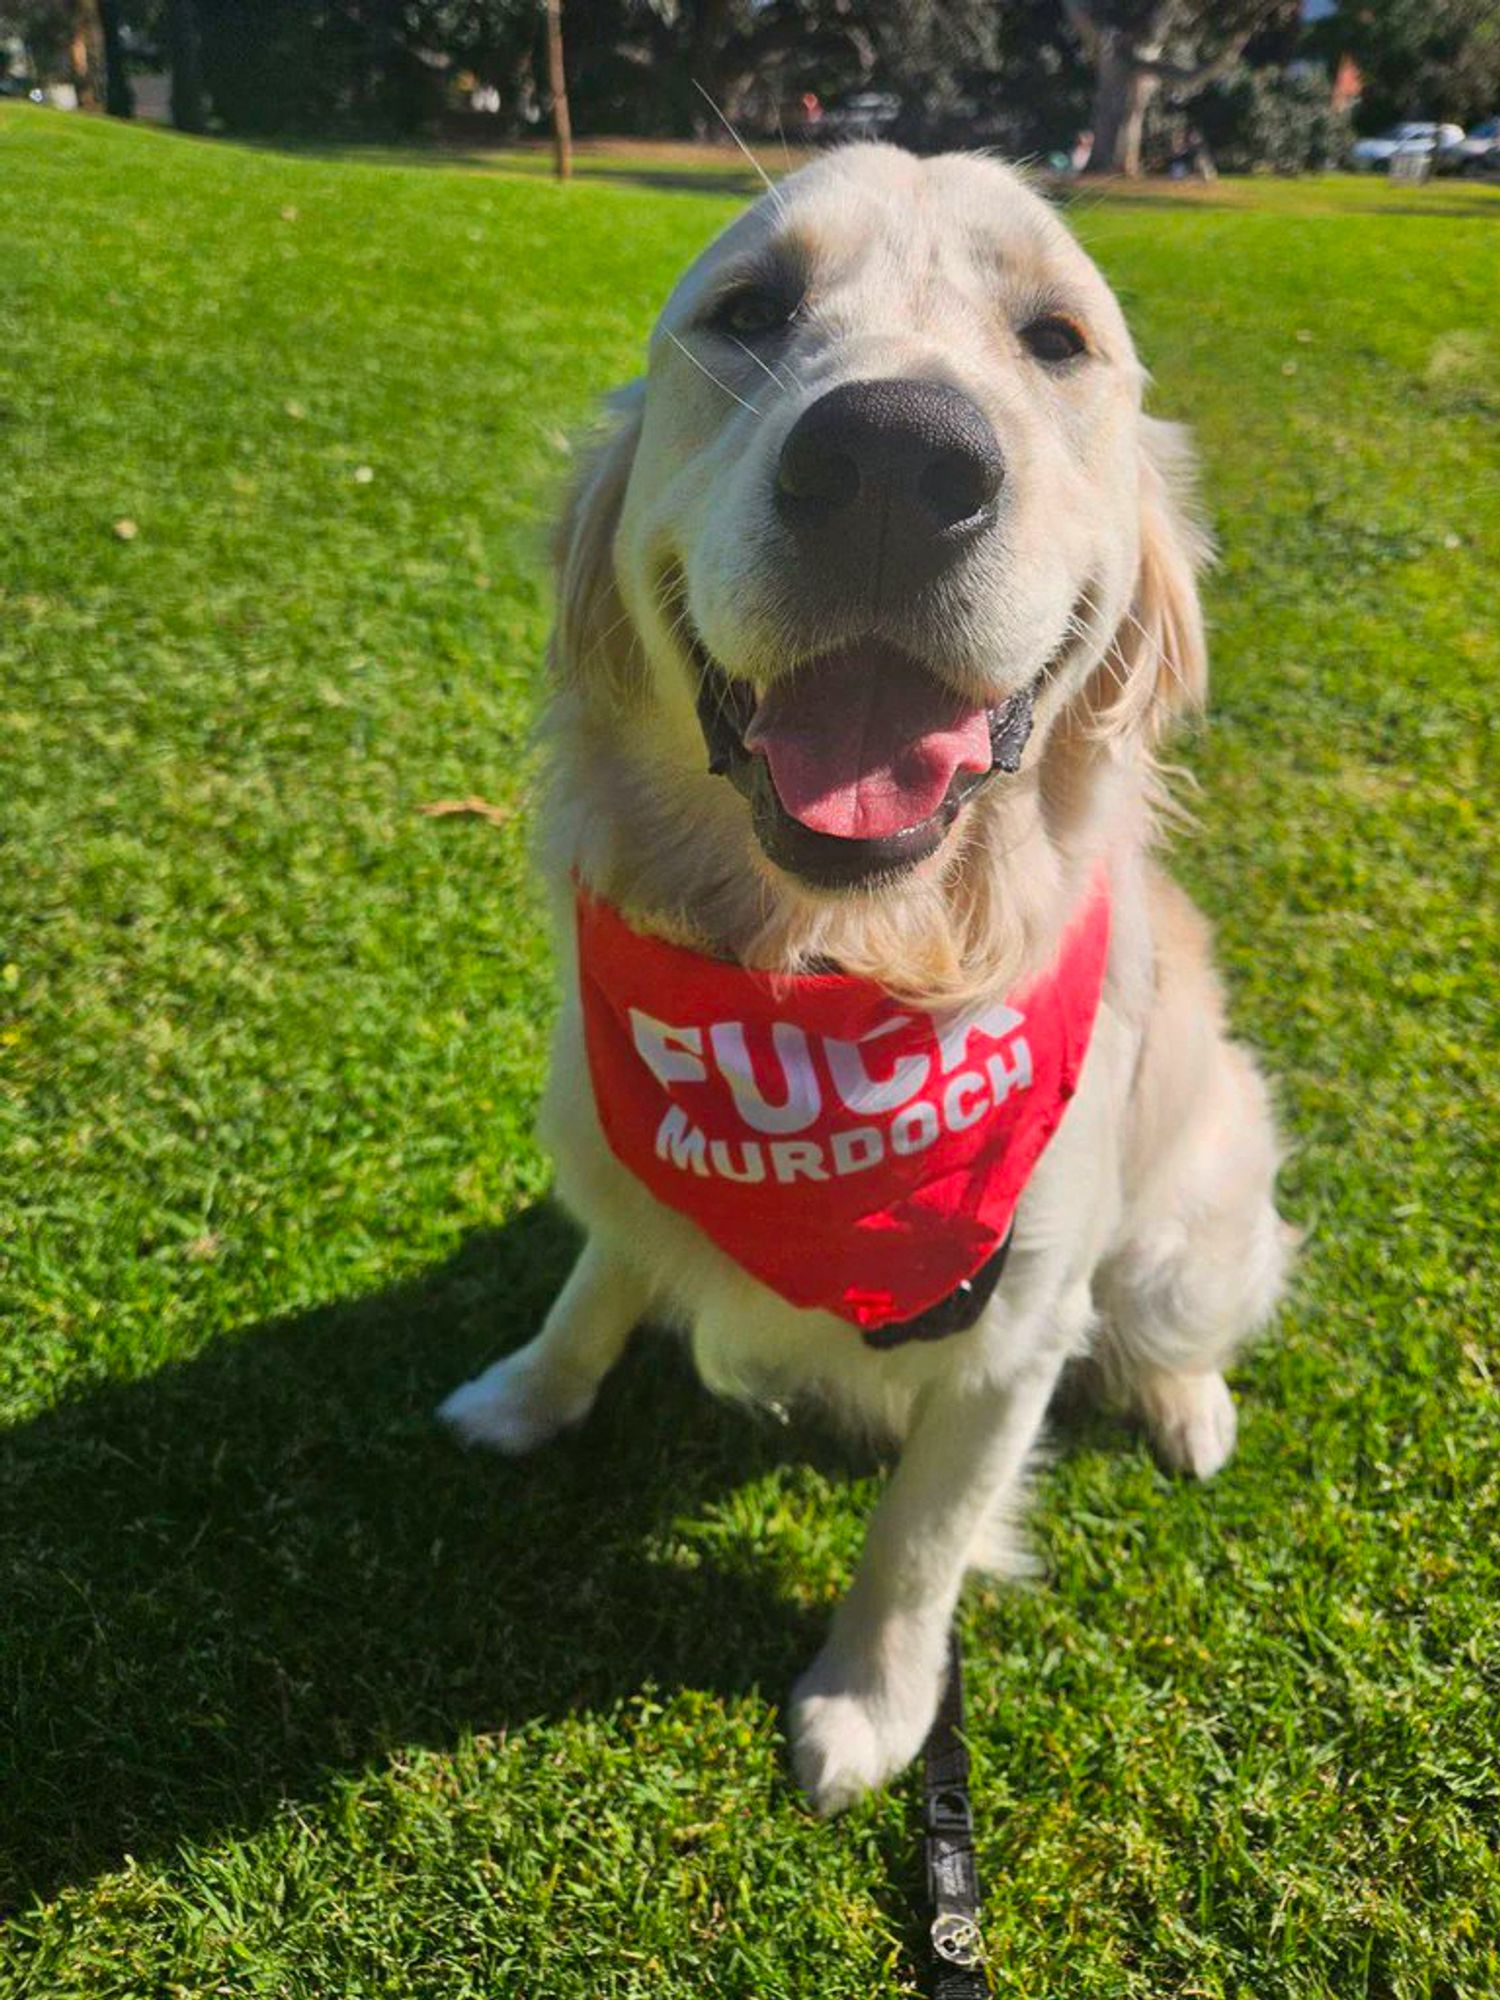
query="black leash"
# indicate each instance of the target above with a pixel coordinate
(957, 1971)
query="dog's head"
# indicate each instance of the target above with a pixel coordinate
(884, 509)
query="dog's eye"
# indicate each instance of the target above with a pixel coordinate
(753, 311)
(1053, 339)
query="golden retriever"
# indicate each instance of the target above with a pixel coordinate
(872, 612)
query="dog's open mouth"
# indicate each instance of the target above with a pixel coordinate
(858, 764)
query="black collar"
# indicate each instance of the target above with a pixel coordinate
(954, 1314)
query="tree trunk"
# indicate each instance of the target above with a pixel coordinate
(119, 98)
(85, 61)
(557, 89)
(1123, 88)
(185, 53)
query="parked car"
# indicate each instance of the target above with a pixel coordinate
(869, 114)
(1374, 156)
(1483, 166)
(1470, 153)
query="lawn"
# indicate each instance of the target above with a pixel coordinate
(298, 1701)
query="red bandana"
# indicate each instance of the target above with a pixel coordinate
(854, 1155)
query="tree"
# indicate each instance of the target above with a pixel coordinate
(377, 66)
(1419, 58)
(85, 52)
(1136, 46)
(1258, 120)
(970, 73)
(557, 90)
(119, 98)
(185, 55)
(692, 65)
(49, 31)
(83, 40)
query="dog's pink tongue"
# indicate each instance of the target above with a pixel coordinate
(862, 747)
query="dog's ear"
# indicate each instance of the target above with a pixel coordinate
(593, 640)
(1157, 666)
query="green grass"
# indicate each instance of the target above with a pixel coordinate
(297, 1700)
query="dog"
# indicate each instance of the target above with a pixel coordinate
(873, 610)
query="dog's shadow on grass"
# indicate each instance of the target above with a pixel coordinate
(227, 1581)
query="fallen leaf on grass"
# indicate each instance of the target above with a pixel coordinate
(479, 808)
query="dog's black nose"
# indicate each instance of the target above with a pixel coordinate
(889, 478)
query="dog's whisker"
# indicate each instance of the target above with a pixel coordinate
(678, 626)
(601, 639)
(721, 688)
(778, 201)
(1160, 656)
(786, 151)
(704, 370)
(1114, 667)
(751, 354)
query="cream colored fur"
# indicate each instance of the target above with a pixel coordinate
(1147, 1235)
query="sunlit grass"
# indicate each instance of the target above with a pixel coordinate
(300, 1701)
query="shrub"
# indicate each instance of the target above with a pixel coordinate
(1272, 121)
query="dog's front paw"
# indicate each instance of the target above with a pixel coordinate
(1192, 1422)
(847, 1740)
(516, 1405)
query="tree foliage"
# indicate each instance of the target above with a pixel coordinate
(1026, 76)
(1268, 120)
(1137, 47)
(43, 27)
(1009, 76)
(1419, 58)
